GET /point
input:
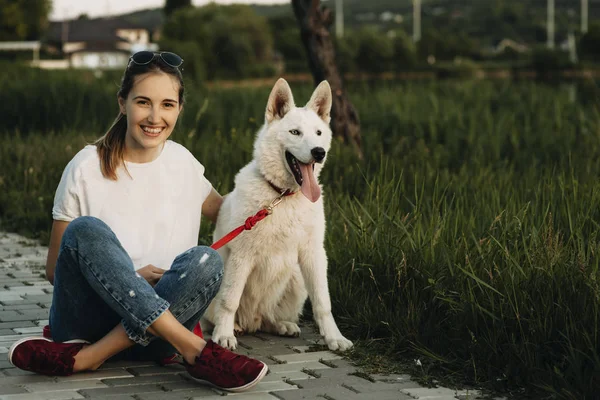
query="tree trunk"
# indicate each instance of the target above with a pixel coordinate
(314, 24)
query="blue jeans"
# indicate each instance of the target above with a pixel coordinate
(96, 288)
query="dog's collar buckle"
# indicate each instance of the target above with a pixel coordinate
(274, 203)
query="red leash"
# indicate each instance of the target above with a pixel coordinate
(250, 221)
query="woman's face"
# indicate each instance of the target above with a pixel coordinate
(152, 108)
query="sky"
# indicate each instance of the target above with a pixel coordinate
(73, 8)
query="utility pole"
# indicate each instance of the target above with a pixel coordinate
(550, 25)
(339, 18)
(416, 20)
(584, 16)
(64, 34)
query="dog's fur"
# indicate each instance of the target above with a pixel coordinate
(270, 270)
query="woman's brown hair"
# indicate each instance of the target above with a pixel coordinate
(111, 146)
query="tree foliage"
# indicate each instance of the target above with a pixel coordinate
(589, 45)
(173, 5)
(23, 19)
(219, 40)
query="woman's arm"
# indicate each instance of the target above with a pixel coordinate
(212, 205)
(58, 228)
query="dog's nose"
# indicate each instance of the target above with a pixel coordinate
(318, 153)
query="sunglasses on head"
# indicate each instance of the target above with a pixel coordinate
(146, 57)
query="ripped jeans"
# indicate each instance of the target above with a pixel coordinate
(96, 288)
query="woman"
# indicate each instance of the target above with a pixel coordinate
(128, 277)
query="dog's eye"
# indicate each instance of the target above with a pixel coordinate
(318, 133)
(295, 132)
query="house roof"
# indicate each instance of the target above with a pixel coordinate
(89, 30)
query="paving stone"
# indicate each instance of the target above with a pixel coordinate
(72, 385)
(34, 314)
(38, 282)
(241, 396)
(11, 338)
(316, 356)
(29, 331)
(16, 301)
(301, 349)
(8, 315)
(338, 363)
(184, 385)
(332, 372)
(5, 364)
(117, 397)
(97, 375)
(316, 394)
(156, 370)
(431, 393)
(390, 378)
(142, 380)
(41, 298)
(283, 376)
(11, 283)
(265, 351)
(23, 378)
(126, 364)
(16, 307)
(469, 395)
(188, 386)
(11, 389)
(15, 324)
(310, 365)
(198, 393)
(264, 387)
(6, 332)
(109, 391)
(314, 383)
(14, 316)
(62, 395)
(18, 372)
(379, 395)
(369, 387)
(33, 290)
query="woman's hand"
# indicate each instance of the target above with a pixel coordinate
(151, 274)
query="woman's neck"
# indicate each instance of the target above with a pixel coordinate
(140, 155)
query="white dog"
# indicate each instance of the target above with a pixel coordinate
(270, 270)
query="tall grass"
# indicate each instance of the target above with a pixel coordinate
(467, 238)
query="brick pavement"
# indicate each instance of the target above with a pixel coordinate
(298, 368)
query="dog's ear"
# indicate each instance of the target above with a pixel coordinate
(280, 101)
(320, 101)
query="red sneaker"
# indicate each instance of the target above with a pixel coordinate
(226, 370)
(43, 356)
(174, 359)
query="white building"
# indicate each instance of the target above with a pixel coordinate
(103, 43)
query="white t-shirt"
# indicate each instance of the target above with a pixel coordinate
(155, 213)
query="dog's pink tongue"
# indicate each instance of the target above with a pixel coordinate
(310, 188)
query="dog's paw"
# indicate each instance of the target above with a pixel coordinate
(338, 343)
(223, 339)
(229, 342)
(286, 328)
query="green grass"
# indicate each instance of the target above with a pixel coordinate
(467, 238)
